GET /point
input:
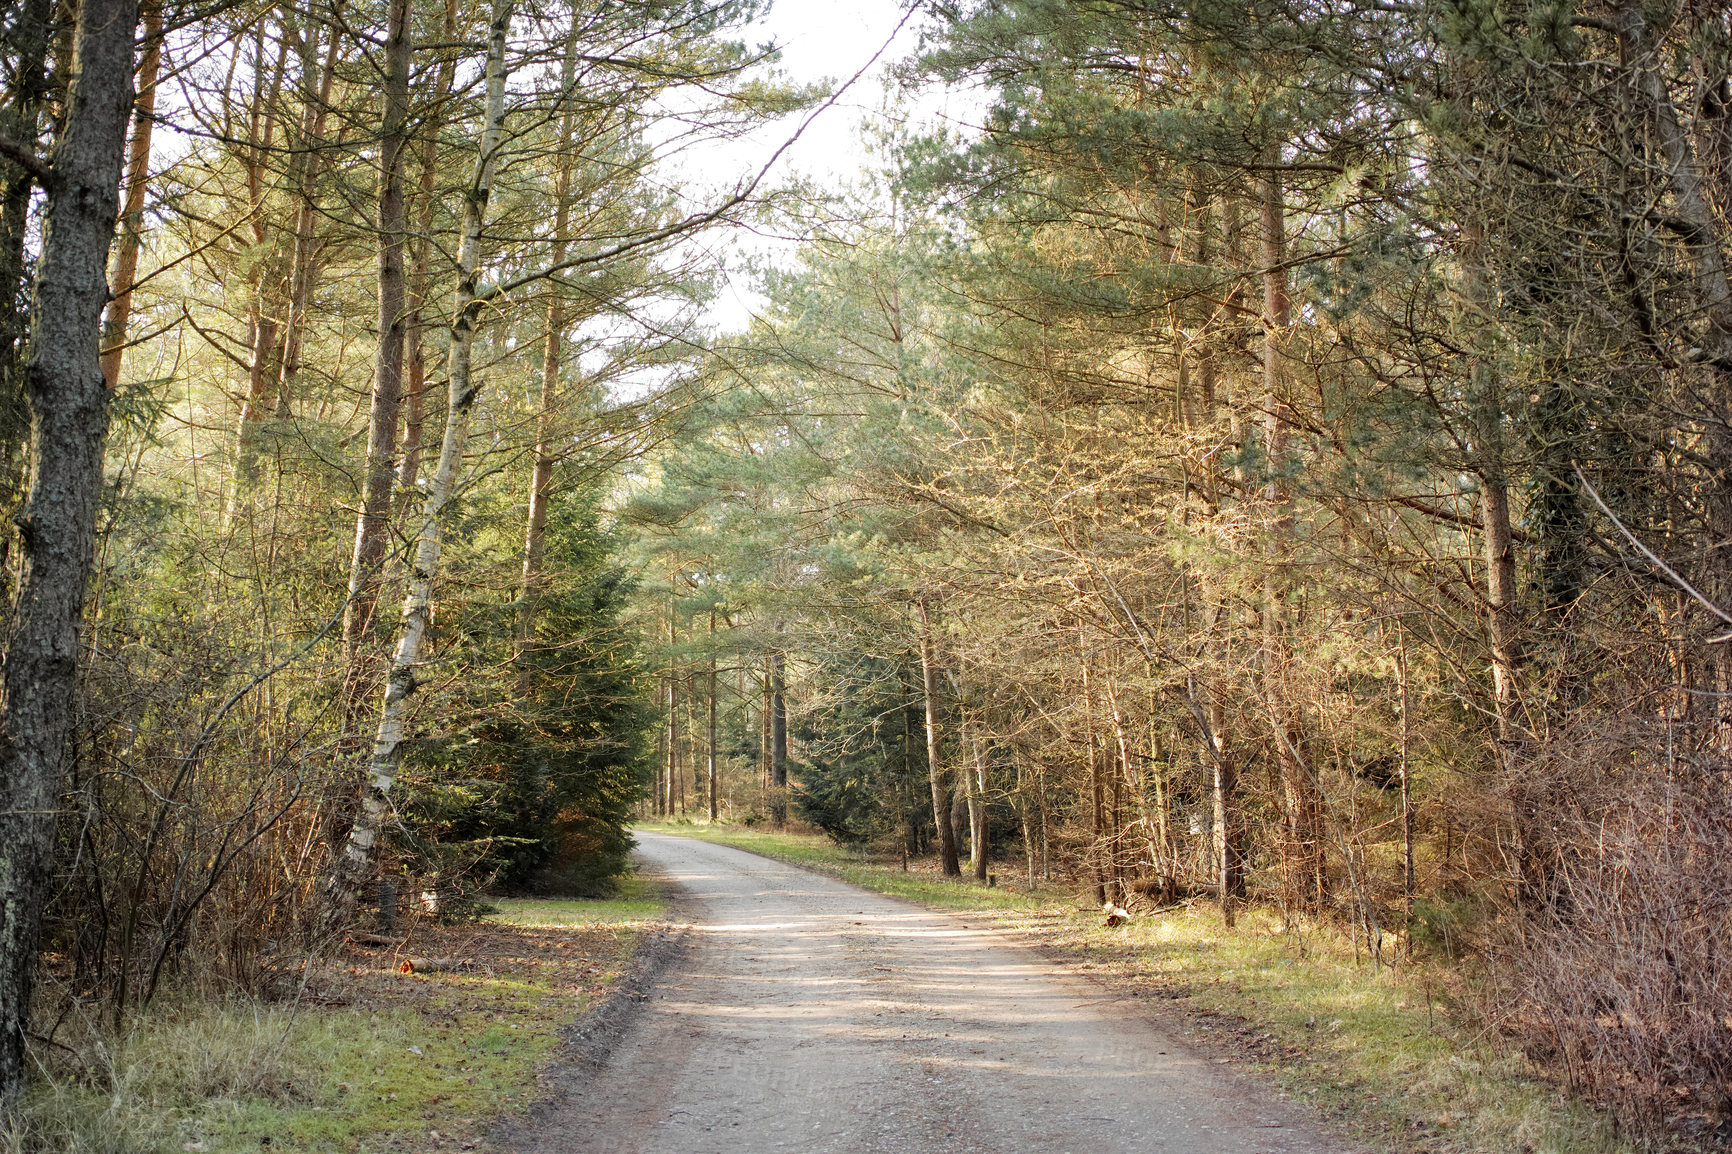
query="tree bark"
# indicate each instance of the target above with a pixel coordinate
(303, 260)
(1022, 809)
(764, 731)
(68, 401)
(947, 855)
(1097, 788)
(415, 350)
(974, 777)
(373, 523)
(1500, 587)
(352, 864)
(778, 737)
(979, 835)
(264, 368)
(1407, 877)
(911, 830)
(21, 122)
(671, 774)
(1489, 465)
(710, 744)
(1229, 858)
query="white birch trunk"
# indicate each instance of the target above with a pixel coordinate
(357, 855)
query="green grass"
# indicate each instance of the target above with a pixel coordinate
(637, 901)
(442, 1052)
(1379, 1048)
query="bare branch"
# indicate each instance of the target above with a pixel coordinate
(1670, 572)
(696, 221)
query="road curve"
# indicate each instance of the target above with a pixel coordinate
(814, 1016)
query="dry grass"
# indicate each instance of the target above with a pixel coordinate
(367, 1061)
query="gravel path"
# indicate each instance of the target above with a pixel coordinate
(808, 1015)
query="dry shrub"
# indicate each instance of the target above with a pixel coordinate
(197, 818)
(1621, 972)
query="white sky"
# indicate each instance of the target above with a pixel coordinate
(821, 40)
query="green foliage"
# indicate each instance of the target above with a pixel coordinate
(867, 771)
(534, 787)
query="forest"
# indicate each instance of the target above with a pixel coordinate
(1267, 453)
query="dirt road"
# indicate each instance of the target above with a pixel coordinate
(813, 1016)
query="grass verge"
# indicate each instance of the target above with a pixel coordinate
(369, 1061)
(1380, 1050)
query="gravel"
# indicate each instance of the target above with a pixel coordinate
(803, 1014)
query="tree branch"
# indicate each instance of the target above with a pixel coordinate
(692, 223)
(1653, 558)
(27, 159)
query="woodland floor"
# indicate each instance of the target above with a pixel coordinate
(806, 1014)
(522, 977)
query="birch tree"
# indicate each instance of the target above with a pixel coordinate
(462, 390)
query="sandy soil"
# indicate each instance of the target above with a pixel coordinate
(809, 1015)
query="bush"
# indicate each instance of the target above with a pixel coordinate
(536, 789)
(1621, 973)
(844, 805)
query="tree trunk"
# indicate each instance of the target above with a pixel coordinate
(68, 402)
(670, 752)
(263, 368)
(959, 811)
(541, 474)
(778, 721)
(1500, 591)
(1229, 867)
(352, 865)
(911, 831)
(21, 122)
(114, 323)
(1406, 788)
(1097, 790)
(691, 742)
(778, 738)
(415, 351)
(1303, 852)
(764, 730)
(1163, 854)
(1022, 811)
(671, 774)
(303, 260)
(659, 793)
(710, 744)
(975, 779)
(373, 523)
(947, 855)
(979, 834)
